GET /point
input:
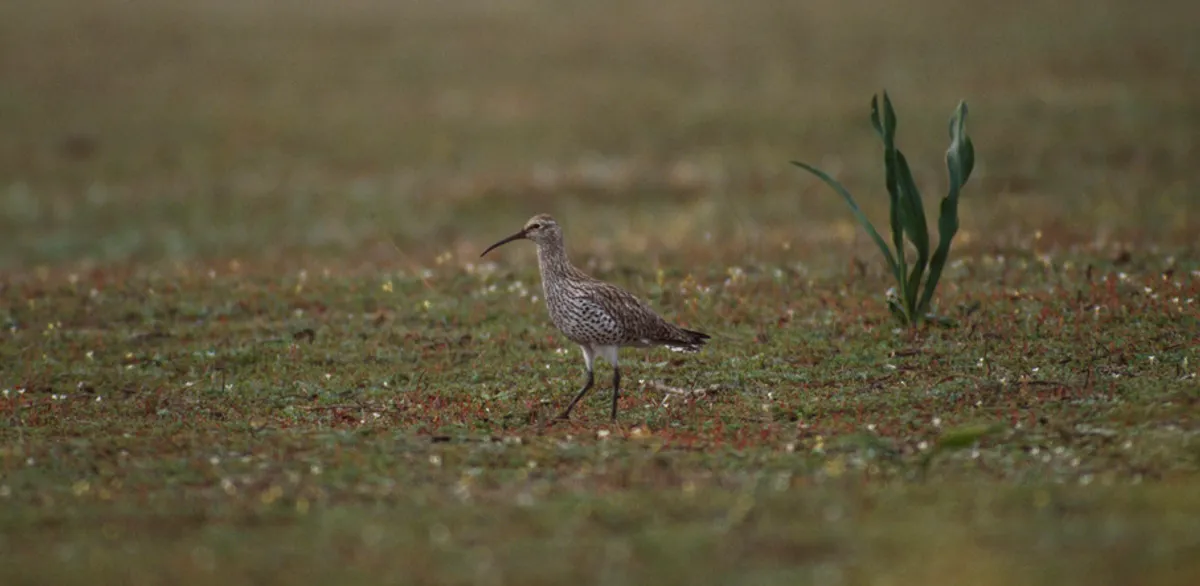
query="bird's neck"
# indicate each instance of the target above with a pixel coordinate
(552, 260)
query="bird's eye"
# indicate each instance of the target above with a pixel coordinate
(534, 226)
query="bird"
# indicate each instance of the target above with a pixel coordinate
(600, 317)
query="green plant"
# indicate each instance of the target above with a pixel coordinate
(911, 302)
(954, 440)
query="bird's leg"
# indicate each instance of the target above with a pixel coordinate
(586, 387)
(589, 358)
(616, 390)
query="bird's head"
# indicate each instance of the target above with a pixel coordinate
(541, 229)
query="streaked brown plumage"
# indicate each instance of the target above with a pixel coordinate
(598, 316)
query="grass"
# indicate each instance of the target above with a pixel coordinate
(247, 337)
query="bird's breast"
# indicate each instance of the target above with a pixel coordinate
(582, 319)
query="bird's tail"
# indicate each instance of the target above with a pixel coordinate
(687, 340)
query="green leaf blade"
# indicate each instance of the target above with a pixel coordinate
(858, 213)
(960, 161)
(915, 227)
(885, 126)
(965, 437)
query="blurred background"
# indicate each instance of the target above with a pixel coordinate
(372, 133)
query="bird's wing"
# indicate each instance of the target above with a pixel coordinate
(638, 322)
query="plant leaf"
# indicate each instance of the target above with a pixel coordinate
(960, 161)
(889, 116)
(875, 122)
(961, 147)
(858, 213)
(917, 230)
(887, 132)
(957, 439)
(965, 437)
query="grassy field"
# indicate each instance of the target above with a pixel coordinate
(247, 337)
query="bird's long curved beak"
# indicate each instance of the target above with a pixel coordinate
(517, 236)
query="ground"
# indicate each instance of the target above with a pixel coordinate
(248, 338)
